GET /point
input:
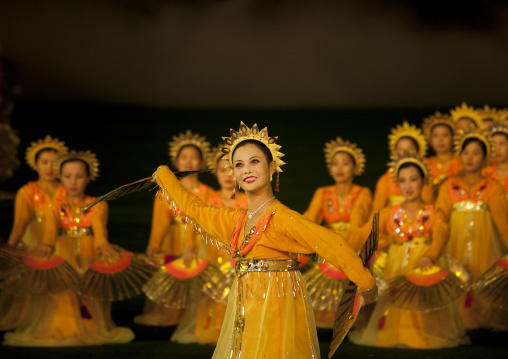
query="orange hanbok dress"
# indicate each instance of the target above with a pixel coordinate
(439, 173)
(478, 218)
(268, 315)
(29, 226)
(324, 207)
(492, 172)
(66, 319)
(389, 326)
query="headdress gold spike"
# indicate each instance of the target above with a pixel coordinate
(468, 112)
(86, 156)
(437, 119)
(410, 131)
(499, 127)
(188, 139)
(339, 145)
(481, 134)
(399, 160)
(488, 113)
(214, 156)
(245, 133)
(47, 143)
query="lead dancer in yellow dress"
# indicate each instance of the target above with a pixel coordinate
(169, 235)
(28, 227)
(418, 233)
(268, 315)
(476, 208)
(344, 207)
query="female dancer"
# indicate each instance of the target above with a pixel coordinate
(499, 171)
(203, 324)
(65, 319)
(466, 118)
(344, 207)
(439, 130)
(268, 314)
(405, 138)
(418, 233)
(169, 235)
(476, 209)
(27, 229)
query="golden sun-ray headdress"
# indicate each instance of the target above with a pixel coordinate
(465, 111)
(499, 127)
(437, 119)
(338, 145)
(214, 156)
(188, 139)
(86, 156)
(47, 143)
(399, 160)
(484, 136)
(410, 131)
(245, 133)
(489, 113)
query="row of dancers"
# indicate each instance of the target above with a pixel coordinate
(449, 203)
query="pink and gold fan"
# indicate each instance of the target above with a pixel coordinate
(492, 286)
(419, 291)
(325, 286)
(120, 280)
(177, 286)
(35, 276)
(10, 256)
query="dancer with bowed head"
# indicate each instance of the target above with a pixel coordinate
(268, 315)
(466, 118)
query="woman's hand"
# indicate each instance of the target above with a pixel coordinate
(188, 255)
(44, 251)
(13, 241)
(369, 295)
(108, 253)
(150, 252)
(425, 263)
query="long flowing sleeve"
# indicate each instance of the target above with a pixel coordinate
(359, 236)
(161, 222)
(382, 193)
(218, 223)
(444, 202)
(360, 210)
(100, 224)
(331, 246)
(51, 223)
(440, 233)
(315, 210)
(23, 213)
(498, 207)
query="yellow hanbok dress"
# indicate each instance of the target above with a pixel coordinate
(29, 227)
(324, 207)
(411, 240)
(168, 236)
(478, 218)
(268, 315)
(66, 319)
(439, 173)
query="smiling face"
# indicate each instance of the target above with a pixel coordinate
(251, 168)
(405, 145)
(472, 157)
(410, 182)
(441, 139)
(225, 180)
(44, 165)
(189, 159)
(342, 168)
(74, 177)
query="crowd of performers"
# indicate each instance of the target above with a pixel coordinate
(222, 274)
